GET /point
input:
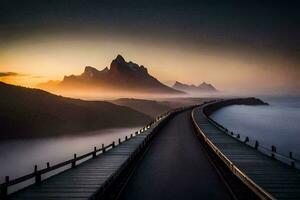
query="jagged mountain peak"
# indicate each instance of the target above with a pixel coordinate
(203, 83)
(203, 87)
(120, 59)
(119, 65)
(121, 76)
(206, 86)
(90, 70)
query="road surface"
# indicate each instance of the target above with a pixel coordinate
(175, 167)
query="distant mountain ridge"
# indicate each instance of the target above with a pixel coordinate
(203, 87)
(121, 76)
(29, 112)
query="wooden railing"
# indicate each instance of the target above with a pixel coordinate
(271, 151)
(37, 174)
(232, 167)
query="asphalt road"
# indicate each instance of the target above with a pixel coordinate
(175, 167)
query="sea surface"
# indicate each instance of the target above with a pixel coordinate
(18, 157)
(277, 124)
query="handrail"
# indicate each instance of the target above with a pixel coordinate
(233, 168)
(272, 152)
(54, 167)
(148, 137)
(38, 173)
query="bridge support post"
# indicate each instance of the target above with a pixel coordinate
(291, 157)
(95, 151)
(247, 139)
(38, 177)
(103, 149)
(74, 161)
(273, 151)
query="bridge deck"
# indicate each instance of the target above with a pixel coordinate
(278, 179)
(176, 167)
(83, 181)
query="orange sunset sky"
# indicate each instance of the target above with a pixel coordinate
(37, 60)
(244, 47)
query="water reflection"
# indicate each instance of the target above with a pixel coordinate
(277, 124)
(18, 157)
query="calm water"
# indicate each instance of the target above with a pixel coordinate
(277, 124)
(18, 157)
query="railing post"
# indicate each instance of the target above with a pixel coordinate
(3, 188)
(113, 144)
(126, 138)
(103, 149)
(291, 157)
(38, 178)
(238, 136)
(247, 139)
(136, 133)
(48, 165)
(273, 151)
(74, 161)
(131, 135)
(119, 140)
(95, 151)
(256, 144)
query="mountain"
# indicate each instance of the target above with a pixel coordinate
(122, 76)
(35, 113)
(203, 87)
(184, 87)
(206, 87)
(148, 107)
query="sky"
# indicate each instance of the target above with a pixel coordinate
(236, 46)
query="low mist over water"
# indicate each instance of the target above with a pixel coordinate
(276, 124)
(18, 157)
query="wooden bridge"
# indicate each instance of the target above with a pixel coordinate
(256, 165)
(182, 154)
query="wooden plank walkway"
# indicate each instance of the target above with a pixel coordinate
(264, 174)
(88, 179)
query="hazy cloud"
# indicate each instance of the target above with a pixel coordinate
(37, 76)
(4, 74)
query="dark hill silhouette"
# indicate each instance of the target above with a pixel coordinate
(122, 76)
(203, 87)
(35, 113)
(149, 107)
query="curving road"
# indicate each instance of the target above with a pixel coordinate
(175, 167)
